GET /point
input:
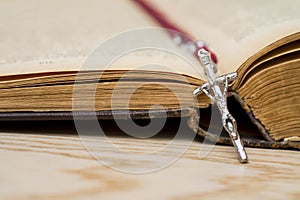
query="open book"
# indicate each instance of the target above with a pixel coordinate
(44, 44)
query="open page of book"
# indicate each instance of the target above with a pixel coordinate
(52, 36)
(236, 29)
(47, 36)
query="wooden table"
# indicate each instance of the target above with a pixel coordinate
(39, 166)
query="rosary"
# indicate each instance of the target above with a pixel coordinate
(216, 87)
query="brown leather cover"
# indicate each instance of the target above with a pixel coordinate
(86, 115)
(146, 114)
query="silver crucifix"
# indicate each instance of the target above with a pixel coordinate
(216, 89)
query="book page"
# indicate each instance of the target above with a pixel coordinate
(46, 36)
(54, 35)
(234, 29)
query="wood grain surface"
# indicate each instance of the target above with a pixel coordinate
(39, 166)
